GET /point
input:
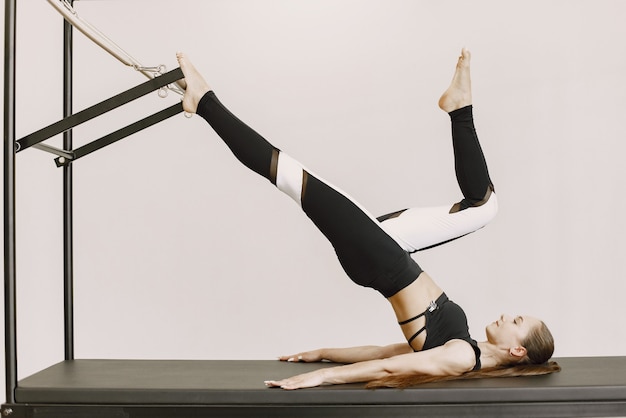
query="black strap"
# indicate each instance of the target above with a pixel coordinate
(98, 109)
(127, 131)
(432, 306)
(416, 334)
(413, 319)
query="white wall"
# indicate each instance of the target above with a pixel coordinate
(182, 253)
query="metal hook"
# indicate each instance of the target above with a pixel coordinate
(156, 71)
(187, 114)
(175, 89)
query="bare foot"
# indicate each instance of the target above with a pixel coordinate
(194, 84)
(459, 94)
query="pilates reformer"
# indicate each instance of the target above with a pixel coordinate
(185, 388)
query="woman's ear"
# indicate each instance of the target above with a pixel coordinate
(519, 352)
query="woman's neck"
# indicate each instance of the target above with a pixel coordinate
(490, 355)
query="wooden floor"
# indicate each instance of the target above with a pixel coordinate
(594, 386)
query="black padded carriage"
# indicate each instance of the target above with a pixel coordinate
(593, 386)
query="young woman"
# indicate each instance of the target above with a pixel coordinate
(375, 253)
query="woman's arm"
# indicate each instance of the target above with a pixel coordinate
(452, 359)
(351, 354)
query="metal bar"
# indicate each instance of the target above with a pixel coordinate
(10, 311)
(91, 32)
(95, 35)
(127, 130)
(99, 109)
(53, 150)
(68, 242)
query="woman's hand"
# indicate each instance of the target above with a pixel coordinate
(350, 354)
(306, 380)
(305, 357)
(451, 359)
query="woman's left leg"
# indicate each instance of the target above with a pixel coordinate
(420, 228)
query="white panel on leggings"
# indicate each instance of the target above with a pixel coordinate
(419, 228)
(289, 177)
(289, 180)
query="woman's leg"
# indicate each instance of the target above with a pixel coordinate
(369, 256)
(420, 228)
(469, 162)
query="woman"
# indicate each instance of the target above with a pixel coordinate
(375, 253)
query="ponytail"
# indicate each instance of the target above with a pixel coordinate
(407, 380)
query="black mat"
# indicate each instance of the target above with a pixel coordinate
(599, 381)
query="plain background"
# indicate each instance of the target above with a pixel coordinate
(181, 253)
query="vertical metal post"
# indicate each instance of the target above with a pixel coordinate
(68, 244)
(10, 323)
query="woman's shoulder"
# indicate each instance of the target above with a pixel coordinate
(453, 358)
(462, 355)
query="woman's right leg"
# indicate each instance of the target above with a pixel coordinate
(366, 252)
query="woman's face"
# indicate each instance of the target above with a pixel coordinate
(509, 331)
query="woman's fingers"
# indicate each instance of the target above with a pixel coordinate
(307, 356)
(293, 357)
(306, 380)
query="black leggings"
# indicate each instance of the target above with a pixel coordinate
(371, 254)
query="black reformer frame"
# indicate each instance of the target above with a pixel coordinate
(179, 388)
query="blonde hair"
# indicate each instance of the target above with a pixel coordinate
(539, 344)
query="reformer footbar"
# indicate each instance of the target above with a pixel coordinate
(159, 80)
(65, 156)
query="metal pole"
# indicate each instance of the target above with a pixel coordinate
(10, 323)
(68, 244)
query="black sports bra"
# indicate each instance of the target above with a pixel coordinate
(445, 321)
